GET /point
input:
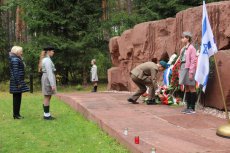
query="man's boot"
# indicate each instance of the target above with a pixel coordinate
(151, 102)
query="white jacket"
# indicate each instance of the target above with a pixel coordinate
(94, 76)
(49, 68)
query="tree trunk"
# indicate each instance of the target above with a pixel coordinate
(119, 5)
(20, 26)
(85, 76)
(104, 9)
(129, 7)
(10, 22)
(65, 77)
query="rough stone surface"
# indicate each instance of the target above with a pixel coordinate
(213, 97)
(155, 38)
(160, 126)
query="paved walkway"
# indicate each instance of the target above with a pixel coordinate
(158, 126)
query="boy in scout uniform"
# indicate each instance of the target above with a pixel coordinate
(145, 75)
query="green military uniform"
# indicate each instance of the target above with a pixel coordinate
(144, 75)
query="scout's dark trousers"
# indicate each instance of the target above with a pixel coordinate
(17, 98)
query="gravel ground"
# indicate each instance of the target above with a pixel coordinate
(214, 112)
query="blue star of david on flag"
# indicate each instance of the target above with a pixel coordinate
(207, 47)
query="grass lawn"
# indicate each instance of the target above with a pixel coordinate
(69, 133)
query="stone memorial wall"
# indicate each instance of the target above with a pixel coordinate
(156, 39)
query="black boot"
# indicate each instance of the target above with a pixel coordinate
(193, 100)
(95, 88)
(19, 104)
(132, 101)
(188, 99)
(192, 103)
(16, 105)
(47, 110)
(188, 102)
(151, 102)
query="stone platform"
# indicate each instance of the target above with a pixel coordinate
(159, 126)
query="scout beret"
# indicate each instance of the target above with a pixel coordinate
(47, 48)
(187, 33)
(164, 64)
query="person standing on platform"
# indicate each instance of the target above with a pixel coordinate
(94, 76)
(187, 72)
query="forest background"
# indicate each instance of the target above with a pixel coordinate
(79, 30)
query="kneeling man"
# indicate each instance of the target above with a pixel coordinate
(145, 75)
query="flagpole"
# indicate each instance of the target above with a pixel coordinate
(221, 89)
(224, 130)
(209, 48)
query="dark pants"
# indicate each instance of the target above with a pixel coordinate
(191, 100)
(142, 88)
(17, 98)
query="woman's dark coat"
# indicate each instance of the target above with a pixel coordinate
(17, 73)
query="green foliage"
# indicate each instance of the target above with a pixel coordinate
(103, 63)
(73, 27)
(212, 67)
(70, 132)
(31, 53)
(76, 30)
(3, 46)
(4, 86)
(159, 9)
(79, 87)
(144, 10)
(119, 20)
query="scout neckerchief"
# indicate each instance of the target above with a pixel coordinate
(182, 54)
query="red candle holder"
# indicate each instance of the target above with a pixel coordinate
(137, 140)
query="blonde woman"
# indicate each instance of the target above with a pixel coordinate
(48, 79)
(94, 76)
(17, 83)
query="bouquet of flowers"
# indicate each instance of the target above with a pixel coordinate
(175, 75)
(164, 96)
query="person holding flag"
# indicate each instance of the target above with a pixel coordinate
(187, 71)
(208, 48)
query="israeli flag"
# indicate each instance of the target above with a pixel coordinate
(208, 48)
(166, 76)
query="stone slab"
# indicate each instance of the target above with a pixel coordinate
(160, 126)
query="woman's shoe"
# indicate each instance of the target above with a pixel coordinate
(18, 117)
(48, 118)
